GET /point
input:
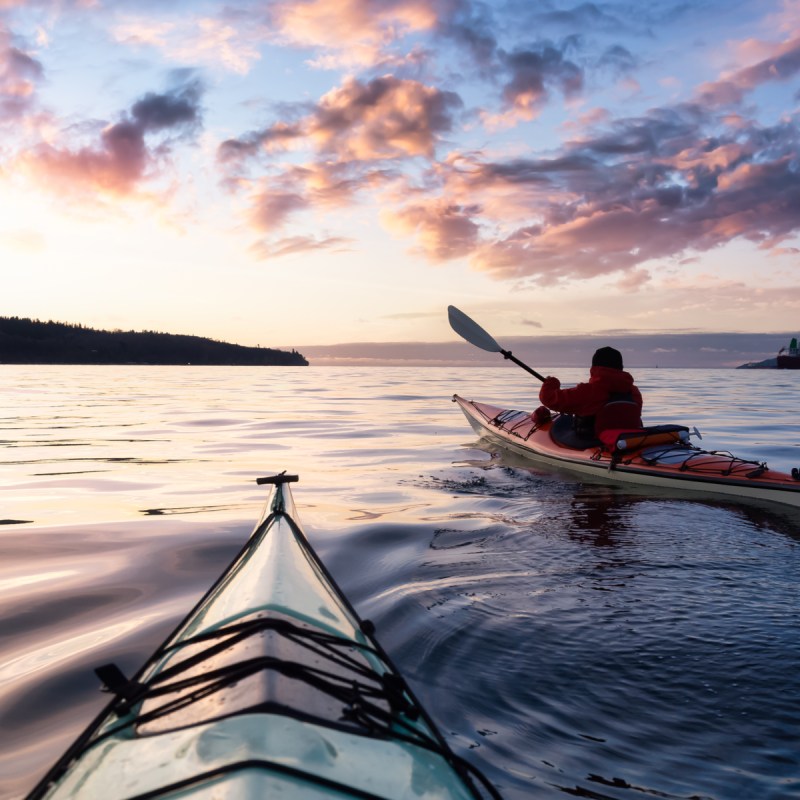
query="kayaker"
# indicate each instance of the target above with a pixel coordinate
(609, 400)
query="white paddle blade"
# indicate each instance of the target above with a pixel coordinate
(468, 329)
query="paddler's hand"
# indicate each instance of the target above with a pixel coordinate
(549, 391)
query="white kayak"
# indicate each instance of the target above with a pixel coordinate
(271, 687)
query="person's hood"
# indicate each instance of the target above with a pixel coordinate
(617, 380)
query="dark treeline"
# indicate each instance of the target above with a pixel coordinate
(27, 341)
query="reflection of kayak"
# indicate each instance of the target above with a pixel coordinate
(658, 456)
(271, 687)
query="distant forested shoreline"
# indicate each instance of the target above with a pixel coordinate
(28, 341)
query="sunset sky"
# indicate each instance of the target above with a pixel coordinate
(304, 172)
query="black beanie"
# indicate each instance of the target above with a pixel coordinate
(607, 357)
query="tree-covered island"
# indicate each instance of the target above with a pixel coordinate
(27, 341)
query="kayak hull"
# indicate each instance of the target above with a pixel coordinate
(271, 686)
(676, 466)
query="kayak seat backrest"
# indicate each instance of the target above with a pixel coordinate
(563, 433)
(618, 440)
(620, 411)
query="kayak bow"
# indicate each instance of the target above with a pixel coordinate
(272, 685)
(661, 456)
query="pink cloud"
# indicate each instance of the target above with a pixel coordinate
(123, 157)
(276, 199)
(354, 137)
(275, 139)
(272, 208)
(442, 230)
(114, 166)
(20, 74)
(388, 117)
(588, 119)
(384, 118)
(781, 64)
(651, 188)
(634, 279)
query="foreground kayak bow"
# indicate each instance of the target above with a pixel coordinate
(660, 456)
(271, 686)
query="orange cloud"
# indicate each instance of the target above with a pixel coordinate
(385, 118)
(388, 117)
(297, 244)
(304, 187)
(355, 134)
(710, 156)
(443, 231)
(277, 138)
(359, 31)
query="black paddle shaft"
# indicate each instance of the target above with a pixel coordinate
(511, 357)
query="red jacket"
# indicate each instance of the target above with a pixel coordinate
(586, 399)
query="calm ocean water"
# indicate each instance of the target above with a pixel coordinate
(569, 638)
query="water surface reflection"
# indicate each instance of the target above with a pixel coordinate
(569, 638)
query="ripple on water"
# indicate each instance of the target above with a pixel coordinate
(105, 593)
(599, 629)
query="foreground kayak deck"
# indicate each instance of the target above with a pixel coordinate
(271, 686)
(676, 464)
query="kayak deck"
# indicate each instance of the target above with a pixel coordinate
(676, 464)
(272, 684)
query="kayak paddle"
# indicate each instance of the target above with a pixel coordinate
(469, 330)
